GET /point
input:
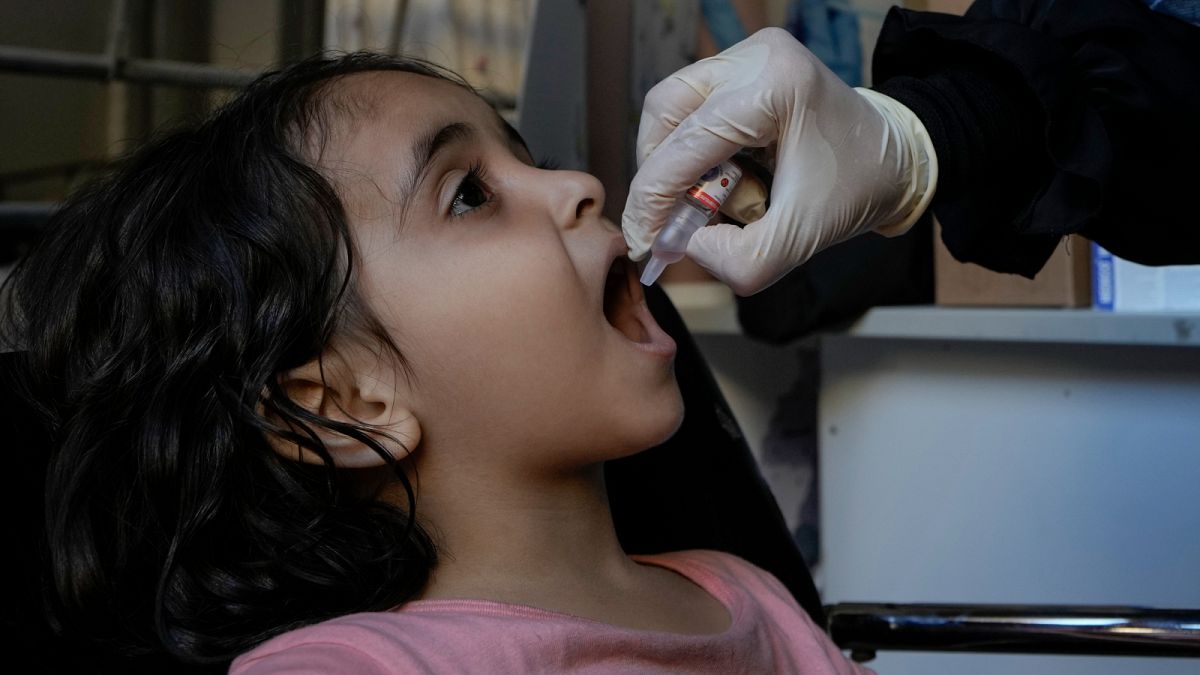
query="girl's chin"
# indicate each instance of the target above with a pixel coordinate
(654, 425)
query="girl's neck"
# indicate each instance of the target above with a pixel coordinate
(516, 543)
(552, 545)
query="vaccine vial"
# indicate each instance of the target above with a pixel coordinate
(692, 212)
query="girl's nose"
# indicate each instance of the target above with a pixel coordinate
(577, 196)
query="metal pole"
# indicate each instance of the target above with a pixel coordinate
(25, 214)
(161, 71)
(101, 66)
(115, 47)
(866, 628)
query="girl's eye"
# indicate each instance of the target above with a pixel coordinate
(470, 195)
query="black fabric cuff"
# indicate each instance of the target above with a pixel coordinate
(1097, 97)
(981, 127)
(985, 131)
(995, 93)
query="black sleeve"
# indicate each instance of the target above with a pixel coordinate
(1052, 117)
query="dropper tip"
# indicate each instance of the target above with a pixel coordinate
(654, 267)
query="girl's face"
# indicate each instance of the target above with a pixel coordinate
(496, 279)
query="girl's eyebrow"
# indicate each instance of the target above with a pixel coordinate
(428, 147)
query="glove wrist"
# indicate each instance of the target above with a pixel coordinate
(918, 157)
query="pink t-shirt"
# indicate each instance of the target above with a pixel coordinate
(769, 633)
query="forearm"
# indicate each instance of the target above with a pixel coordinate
(1052, 117)
(983, 127)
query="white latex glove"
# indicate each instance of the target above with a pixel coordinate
(847, 161)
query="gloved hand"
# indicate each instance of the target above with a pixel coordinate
(846, 160)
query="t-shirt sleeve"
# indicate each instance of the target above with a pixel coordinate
(311, 658)
(770, 585)
(799, 641)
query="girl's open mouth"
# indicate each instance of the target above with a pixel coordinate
(626, 310)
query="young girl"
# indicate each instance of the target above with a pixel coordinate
(332, 378)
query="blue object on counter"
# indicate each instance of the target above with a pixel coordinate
(723, 23)
(830, 30)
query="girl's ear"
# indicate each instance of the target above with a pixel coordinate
(356, 388)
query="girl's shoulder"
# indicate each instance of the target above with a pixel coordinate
(762, 607)
(421, 637)
(707, 567)
(363, 643)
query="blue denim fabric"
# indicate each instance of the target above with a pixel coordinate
(1187, 10)
(830, 30)
(723, 23)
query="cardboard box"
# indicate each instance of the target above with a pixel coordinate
(1065, 281)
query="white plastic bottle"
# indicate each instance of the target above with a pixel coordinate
(691, 212)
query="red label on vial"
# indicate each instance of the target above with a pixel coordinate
(704, 198)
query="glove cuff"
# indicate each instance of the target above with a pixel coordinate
(921, 161)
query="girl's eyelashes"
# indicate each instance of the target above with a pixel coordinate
(472, 192)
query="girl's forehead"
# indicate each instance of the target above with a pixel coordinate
(411, 104)
(374, 115)
(392, 94)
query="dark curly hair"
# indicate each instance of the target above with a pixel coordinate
(155, 315)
